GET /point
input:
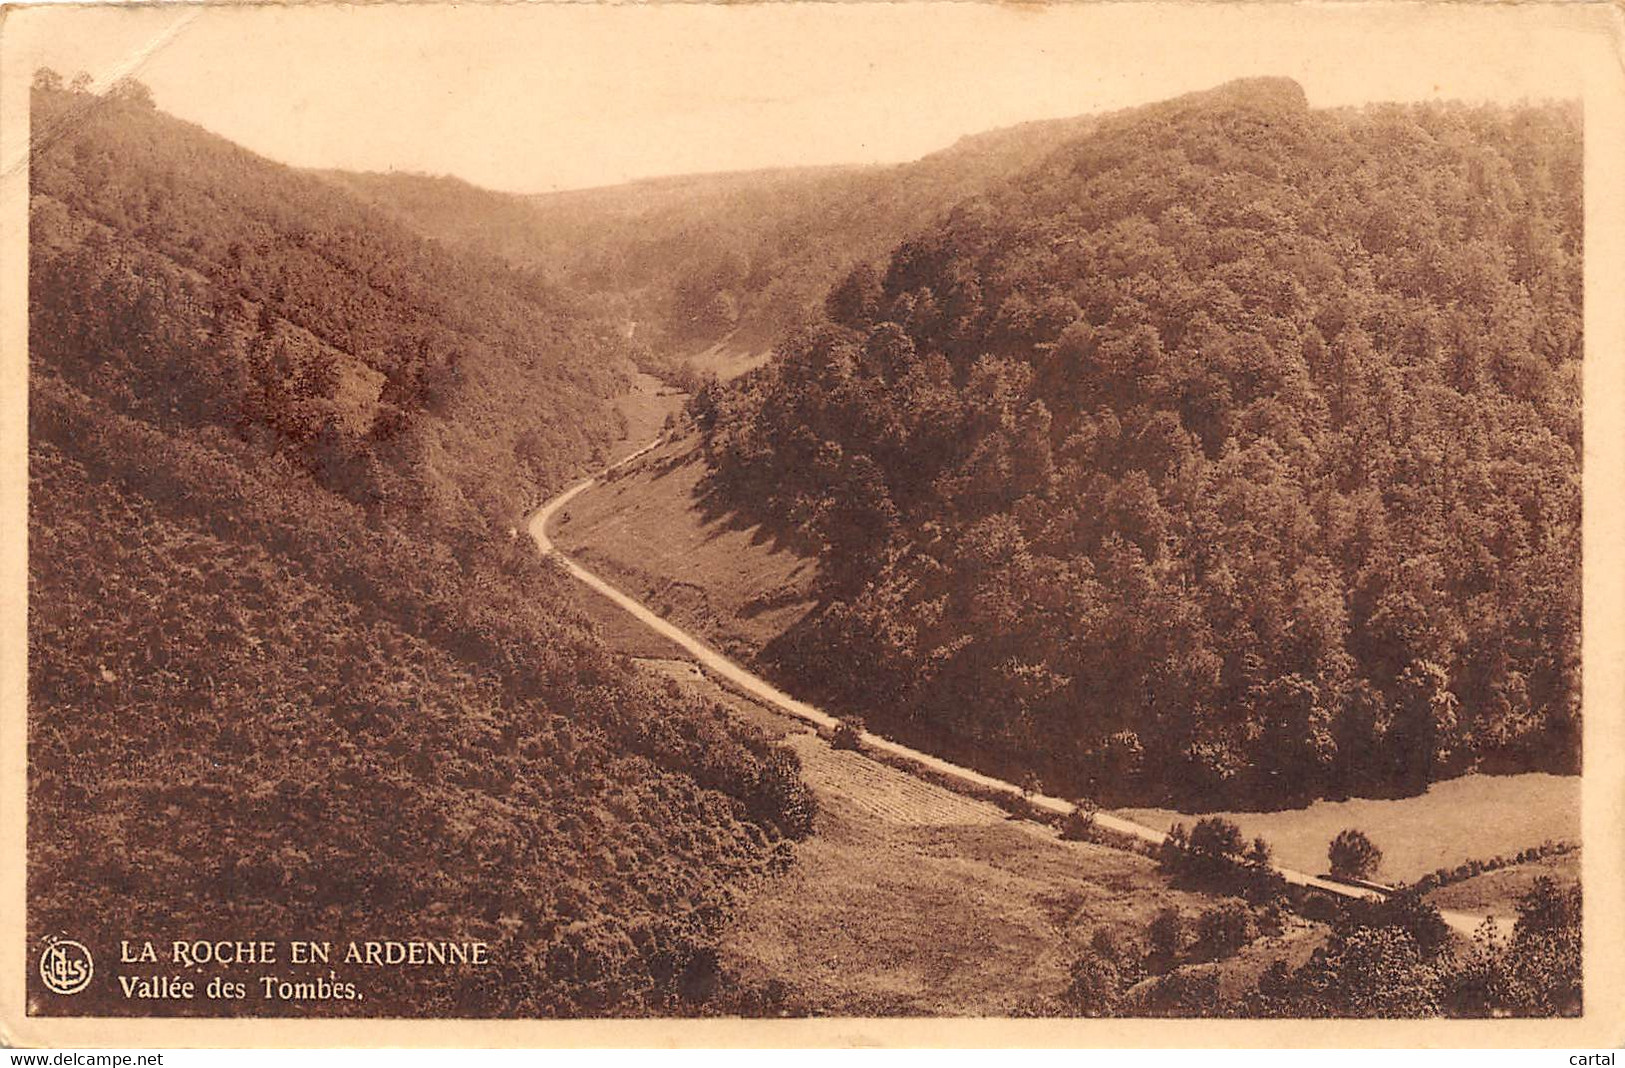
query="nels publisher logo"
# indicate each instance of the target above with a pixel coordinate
(65, 966)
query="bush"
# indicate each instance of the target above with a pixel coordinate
(782, 796)
(1019, 805)
(848, 734)
(1406, 911)
(1222, 930)
(1096, 985)
(1079, 824)
(1353, 855)
(1183, 993)
(1320, 907)
(1272, 917)
(1215, 857)
(1547, 908)
(1216, 838)
(1171, 854)
(1105, 942)
(1165, 935)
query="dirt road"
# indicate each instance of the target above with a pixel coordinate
(732, 674)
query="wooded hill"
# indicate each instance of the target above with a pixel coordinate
(291, 673)
(1230, 454)
(693, 260)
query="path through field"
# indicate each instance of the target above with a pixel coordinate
(759, 689)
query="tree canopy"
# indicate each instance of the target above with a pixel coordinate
(1229, 454)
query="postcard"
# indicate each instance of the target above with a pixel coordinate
(538, 524)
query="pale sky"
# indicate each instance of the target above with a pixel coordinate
(534, 97)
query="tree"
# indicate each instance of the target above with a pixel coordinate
(1424, 723)
(47, 79)
(1268, 530)
(781, 795)
(1406, 910)
(1216, 838)
(130, 91)
(1375, 972)
(857, 519)
(1353, 855)
(855, 299)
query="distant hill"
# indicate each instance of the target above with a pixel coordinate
(291, 671)
(700, 259)
(401, 336)
(1229, 454)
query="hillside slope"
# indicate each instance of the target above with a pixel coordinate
(691, 261)
(289, 673)
(1229, 456)
(330, 317)
(650, 531)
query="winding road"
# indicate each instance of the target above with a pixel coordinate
(760, 689)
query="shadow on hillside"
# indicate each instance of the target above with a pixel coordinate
(727, 514)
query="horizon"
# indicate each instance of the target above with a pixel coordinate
(713, 91)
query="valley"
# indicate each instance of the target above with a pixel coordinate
(652, 531)
(648, 514)
(981, 586)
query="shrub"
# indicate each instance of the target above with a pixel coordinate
(848, 733)
(1369, 972)
(1171, 854)
(1096, 985)
(1165, 935)
(1079, 824)
(1019, 805)
(1320, 907)
(1406, 911)
(782, 796)
(1353, 855)
(1274, 990)
(1183, 993)
(1223, 929)
(1547, 908)
(1216, 838)
(1272, 917)
(1105, 943)
(1213, 857)
(1470, 868)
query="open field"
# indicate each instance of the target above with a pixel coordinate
(1456, 820)
(644, 410)
(911, 899)
(730, 357)
(646, 530)
(1496, 892)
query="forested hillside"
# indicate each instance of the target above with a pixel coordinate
(330, 322)
(291, 674)
(696, 259)
(1230, 454)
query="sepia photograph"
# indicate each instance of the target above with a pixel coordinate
(1081, 519)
